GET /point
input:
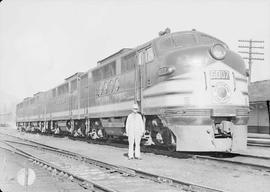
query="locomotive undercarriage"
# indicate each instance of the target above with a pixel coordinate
(67, 127)
(155, 131)
(186, 133)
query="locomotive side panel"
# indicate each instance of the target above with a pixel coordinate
(114, 87)
(84, 94)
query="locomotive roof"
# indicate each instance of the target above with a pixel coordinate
(27, 98)
(114, 54)
(38, 93)
(74, 75)
(122, 51)
(194, 32)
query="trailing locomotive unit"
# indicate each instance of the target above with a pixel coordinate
(191, 89)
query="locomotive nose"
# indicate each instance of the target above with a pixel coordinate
(188, 60)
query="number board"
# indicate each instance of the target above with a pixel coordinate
(219, 74)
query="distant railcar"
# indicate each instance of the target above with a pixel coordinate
(191, 89)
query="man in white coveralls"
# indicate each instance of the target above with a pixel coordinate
(134, 130)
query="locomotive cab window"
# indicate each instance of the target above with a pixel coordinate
(149, 55)
(146, 55)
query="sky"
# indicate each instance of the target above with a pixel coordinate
(44, 41)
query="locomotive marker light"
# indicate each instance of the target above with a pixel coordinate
(165, 71)
(218, 51)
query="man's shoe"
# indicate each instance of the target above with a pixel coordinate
(139, 158)
(130, 158)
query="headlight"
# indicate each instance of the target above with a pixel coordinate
(221, 92)
(218, 51)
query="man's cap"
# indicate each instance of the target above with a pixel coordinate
(135, 106)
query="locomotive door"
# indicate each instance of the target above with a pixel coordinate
(143, 72)
(139, 78)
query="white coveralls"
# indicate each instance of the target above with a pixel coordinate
(134, 129)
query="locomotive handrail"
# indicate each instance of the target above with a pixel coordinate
(234, 83)
(205, 80)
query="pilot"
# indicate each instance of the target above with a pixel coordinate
(134, 130)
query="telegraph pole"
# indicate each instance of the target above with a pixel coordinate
(249, 54)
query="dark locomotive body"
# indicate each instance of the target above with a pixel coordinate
(191, 89)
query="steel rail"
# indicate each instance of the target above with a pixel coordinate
(236, 162)
(178, 154)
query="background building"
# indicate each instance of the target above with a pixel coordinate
(7, 109)
(259, 98)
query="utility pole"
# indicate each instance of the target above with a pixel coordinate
(250, 45)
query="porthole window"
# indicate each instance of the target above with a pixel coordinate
(128, 62)
(116, 85)
(110, 86)
(100, 89)
(105, 88)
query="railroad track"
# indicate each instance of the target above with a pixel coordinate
(56, 170)
(97, 175)
(257, 162)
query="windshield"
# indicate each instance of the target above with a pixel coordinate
(183, 40)
(175, 40)
(170, 41)
(206, 39)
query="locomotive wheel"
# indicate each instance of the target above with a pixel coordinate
(171, 148)
(163, 137)
(105, 136)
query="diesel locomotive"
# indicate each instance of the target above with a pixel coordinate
(191, 89)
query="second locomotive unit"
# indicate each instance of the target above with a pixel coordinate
(191, 89)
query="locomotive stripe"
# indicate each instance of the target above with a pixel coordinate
(241, 79)
(127, 105)
(179, 78)
(177, 86)
(164, 101)
(168, 93)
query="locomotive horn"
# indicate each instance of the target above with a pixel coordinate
(166, 31)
